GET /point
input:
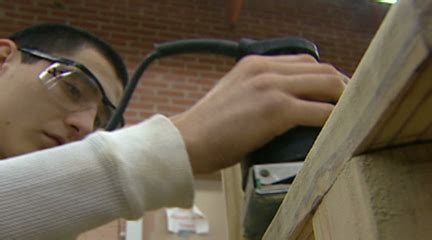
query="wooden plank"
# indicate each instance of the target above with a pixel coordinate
(344, 212)
(417, 128)
(382, 195)
(410, 118)
(397, 56)
(216, 176)
(307, 233)
(234, 198)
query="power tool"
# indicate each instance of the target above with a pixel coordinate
(292, 146)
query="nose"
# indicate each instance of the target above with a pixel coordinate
(81, 123)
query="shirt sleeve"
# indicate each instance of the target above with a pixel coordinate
(61, 192)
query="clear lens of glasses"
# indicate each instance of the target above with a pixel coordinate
(75, 91)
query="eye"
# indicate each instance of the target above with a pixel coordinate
(72, 91)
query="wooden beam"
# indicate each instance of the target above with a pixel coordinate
(234, 9)
(307, 233)
(234, 198)
(382, 195)
(397, 62)
(216, 176)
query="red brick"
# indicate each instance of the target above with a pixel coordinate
(184, 102)
(170, 109)
(171, 93)
(154, 99)
(184, 86)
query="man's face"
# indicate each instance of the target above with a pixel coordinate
(31, 120)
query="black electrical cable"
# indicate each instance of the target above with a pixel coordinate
(202, 45)
(277, 46)
(223, 47)
(130, 88)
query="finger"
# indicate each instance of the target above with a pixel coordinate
(295, 68)
(290, 58)
(310, 113)
(318, 87)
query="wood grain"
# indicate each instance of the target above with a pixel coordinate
(383, 195)
(397, 61)
(234, 198)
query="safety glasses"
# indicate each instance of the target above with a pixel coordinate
(74, 87)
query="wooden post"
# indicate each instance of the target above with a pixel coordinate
(387, 104)
(234, 198)
(382, 195)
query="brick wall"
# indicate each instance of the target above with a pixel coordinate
(341, 28)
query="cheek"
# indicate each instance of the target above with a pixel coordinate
(32, 105)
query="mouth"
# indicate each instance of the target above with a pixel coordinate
(55, 139)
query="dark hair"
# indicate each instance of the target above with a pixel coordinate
(64, 39)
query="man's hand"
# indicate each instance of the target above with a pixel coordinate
(259, 99)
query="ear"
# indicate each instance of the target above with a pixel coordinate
(8, 52)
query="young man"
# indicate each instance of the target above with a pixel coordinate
(55, 92)
(35, 112)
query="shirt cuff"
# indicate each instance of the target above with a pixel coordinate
(153, 165)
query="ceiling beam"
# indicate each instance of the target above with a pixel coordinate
(234, 9)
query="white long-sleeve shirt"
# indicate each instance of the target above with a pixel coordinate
(61, 192)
